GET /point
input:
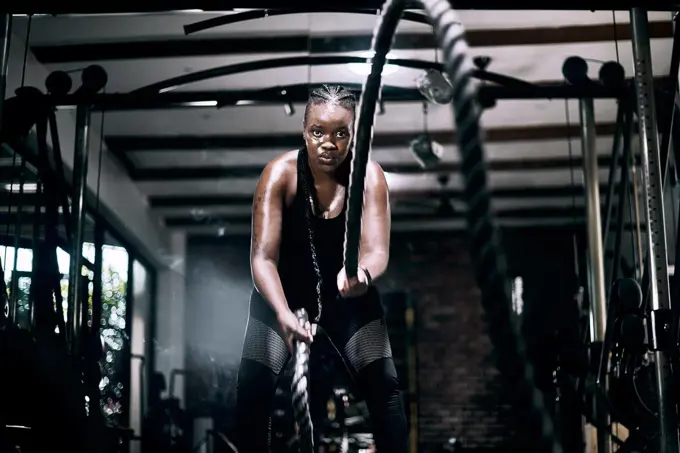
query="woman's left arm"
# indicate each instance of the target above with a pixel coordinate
(374, 252)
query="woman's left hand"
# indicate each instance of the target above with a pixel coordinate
(352, 287)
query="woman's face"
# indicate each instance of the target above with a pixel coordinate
(328, 135)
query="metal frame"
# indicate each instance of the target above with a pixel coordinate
(5, 40)
(593, 218)
(663, 342)
(149, 6)
(675, 279)
(667, 111)
(80, 209)
(260, 14)
(298, 93)
(80, 159)
(595, 249)
(156, 96)
(671, 144)
(650, 150)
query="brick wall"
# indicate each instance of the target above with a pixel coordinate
(456, 381)
(460, 390)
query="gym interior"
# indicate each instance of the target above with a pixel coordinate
(140, 137)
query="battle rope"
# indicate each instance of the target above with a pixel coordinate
(486, 251)
(300, 390)
(383, 36)
(382, 39)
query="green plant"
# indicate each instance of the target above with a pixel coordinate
(113, 330)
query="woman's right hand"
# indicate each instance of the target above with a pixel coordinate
(293, 330)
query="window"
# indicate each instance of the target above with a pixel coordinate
(122, 332)
(113, 324)
(19, 280)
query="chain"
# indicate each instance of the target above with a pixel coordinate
(309, 214)
(315, 263)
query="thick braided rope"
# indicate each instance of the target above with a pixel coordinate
(383, 36)
(487, 255)
(300, 390)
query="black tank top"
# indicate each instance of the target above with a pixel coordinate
(295, 267)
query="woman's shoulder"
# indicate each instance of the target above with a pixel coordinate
(284, 167)
(285, 163)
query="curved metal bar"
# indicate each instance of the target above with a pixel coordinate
(298, 88)
(262, 13)
(300, 91)
(272, 63)
(157, 6)
(500, 79)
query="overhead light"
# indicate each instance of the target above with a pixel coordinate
(289, 109)
(16, 188)
(201, 104)
(245, 102)
(168, 89)
(365, 68)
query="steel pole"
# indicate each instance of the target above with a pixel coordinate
(661, 319)
(78, 186)
(596, 277)
(5, 39)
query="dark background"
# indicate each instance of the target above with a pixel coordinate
(460, 392)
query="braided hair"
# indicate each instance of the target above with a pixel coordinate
(324, 95)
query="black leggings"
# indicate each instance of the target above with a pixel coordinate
(357, 328)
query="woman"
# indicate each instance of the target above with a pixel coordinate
(297, 262)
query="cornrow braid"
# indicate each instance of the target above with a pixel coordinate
(311, 208)
(331, 95)
(324, 95)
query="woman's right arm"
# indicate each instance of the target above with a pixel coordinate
(266, 234)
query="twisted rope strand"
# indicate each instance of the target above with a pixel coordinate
(486, 250)
(300, 390)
